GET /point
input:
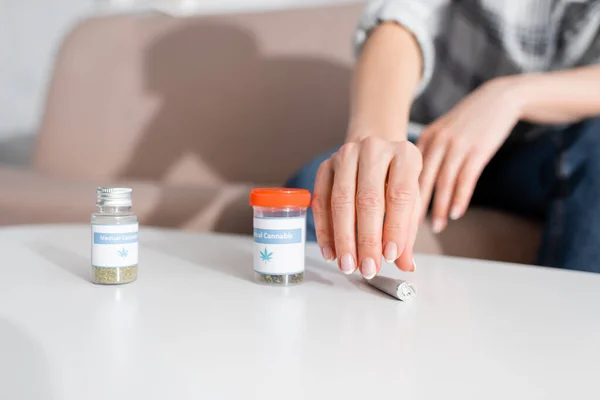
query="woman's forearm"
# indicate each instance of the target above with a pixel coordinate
(385, 80)
(559, 97)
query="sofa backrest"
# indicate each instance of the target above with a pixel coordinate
(200, 99)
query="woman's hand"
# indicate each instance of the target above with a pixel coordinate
(353, 190)
(457, 147)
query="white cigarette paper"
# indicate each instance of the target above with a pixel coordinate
(397, 288)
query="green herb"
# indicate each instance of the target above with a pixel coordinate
(114, 276)
(283, 280)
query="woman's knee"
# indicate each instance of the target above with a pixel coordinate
(581, 148)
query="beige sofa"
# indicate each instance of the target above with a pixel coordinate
(193, 111)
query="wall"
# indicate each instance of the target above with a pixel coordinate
(30, 32)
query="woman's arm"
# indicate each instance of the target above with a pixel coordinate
(559, 97)
(457, 146)
(349, 201)
(385, 80)
(376, 171)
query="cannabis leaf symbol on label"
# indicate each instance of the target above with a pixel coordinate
(123, 253)
(265, 256)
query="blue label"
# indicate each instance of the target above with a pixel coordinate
(115, 238)
(277, 236)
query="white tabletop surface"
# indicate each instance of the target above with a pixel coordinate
(195, 326)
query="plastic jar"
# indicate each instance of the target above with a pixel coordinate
(279, 235)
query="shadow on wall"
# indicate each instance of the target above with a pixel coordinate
(246, 117)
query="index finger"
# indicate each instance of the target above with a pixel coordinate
(322, 210)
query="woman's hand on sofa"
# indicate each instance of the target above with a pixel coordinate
(353, 190)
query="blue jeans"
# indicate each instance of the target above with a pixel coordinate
(554, 178)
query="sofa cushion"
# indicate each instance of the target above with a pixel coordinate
(32, 198)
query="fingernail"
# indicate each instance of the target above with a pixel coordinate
(455, 213)
(369, 269)
(414, 265)
(347, 264)
(390, 253)
(437, 225)
(327, 253)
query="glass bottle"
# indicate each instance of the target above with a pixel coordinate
(114, 237)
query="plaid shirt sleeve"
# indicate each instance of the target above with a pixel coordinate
(592, 54)
(418, 16)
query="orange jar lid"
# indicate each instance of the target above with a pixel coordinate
(280, 198)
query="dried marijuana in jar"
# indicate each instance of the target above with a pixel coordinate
(279, 235)
(114, 238)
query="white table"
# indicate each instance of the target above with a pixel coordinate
(195, 326)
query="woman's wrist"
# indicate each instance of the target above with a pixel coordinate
(359, 130)
(385, 79)
(515, 90)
